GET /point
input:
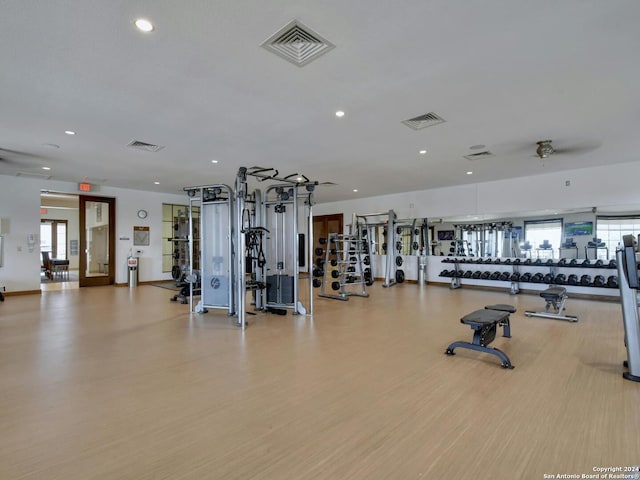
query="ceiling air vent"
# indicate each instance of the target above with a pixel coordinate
(148, 147)
(424, 121)
(297, 44)
(479, 155)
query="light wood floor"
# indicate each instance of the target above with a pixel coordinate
(112, 383)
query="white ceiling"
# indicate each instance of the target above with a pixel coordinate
(501, 73)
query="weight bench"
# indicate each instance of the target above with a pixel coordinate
(555, 298)
(484, 324)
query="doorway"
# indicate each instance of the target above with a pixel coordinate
(58, 241)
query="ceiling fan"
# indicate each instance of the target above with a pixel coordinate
(545, 149)
(16, 158)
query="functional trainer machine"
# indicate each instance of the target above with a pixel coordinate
(555, 298)
(248, 243)
(484, 324)
(629, 285)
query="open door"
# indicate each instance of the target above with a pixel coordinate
(97, 241)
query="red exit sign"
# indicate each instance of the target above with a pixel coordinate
(84, 187)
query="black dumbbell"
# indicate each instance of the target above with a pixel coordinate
(515, 276)
(585, 280)
(560, 279)
(399, 276)
(525, 277)
(599, 281)
(476, 274)
(548, 278)
(572, 279)
(537, 278)
(335, 285)
(612, 281)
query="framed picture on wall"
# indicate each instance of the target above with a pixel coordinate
(573, 229)
(446, 235)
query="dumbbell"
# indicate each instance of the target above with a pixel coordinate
(613, 264)
(485, 275)
(335, 273)
(335, 285)
(504, 276)
(612, 281)
(494, 276)
(585, 280)
(572, 279)
(476, 274)
(548, 278)
(444, 273)
(599, 281)
(515, 276)
(560, 279)
(468, 274)
(317, 282)
(317, 272)
(525, 277)
(319, 251)
(537, 278)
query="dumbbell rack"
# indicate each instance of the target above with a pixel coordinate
(345, 253)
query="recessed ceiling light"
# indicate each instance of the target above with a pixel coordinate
(69, 132)
(469, 173)
(355, 189)
(339, 113)
(144, 25)
(477, 147)
(299, 179)
(156, 183)
(46, 168)
(214, 161)
(423, 152)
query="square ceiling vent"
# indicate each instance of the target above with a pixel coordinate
(147, 147)
(423, 121)
(297, 44)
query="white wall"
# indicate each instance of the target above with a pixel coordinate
(610, 186)
(20, 212)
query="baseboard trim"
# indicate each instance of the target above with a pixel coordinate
(22, 292)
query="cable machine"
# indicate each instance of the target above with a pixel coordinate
(217, 269)
(287, 216)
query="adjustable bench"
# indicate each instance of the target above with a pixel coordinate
(484, 324)
(555, 298)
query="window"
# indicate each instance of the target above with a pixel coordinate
(537, 231)
(611, 230)
(53, 238)
(175, 235)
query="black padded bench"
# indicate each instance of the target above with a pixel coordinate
(555, 298)
(484, 324)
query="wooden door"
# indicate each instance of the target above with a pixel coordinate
(97, 240)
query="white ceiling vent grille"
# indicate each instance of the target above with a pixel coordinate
(297, 44)
(479, 155)
(423, 121)
(148, 147)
